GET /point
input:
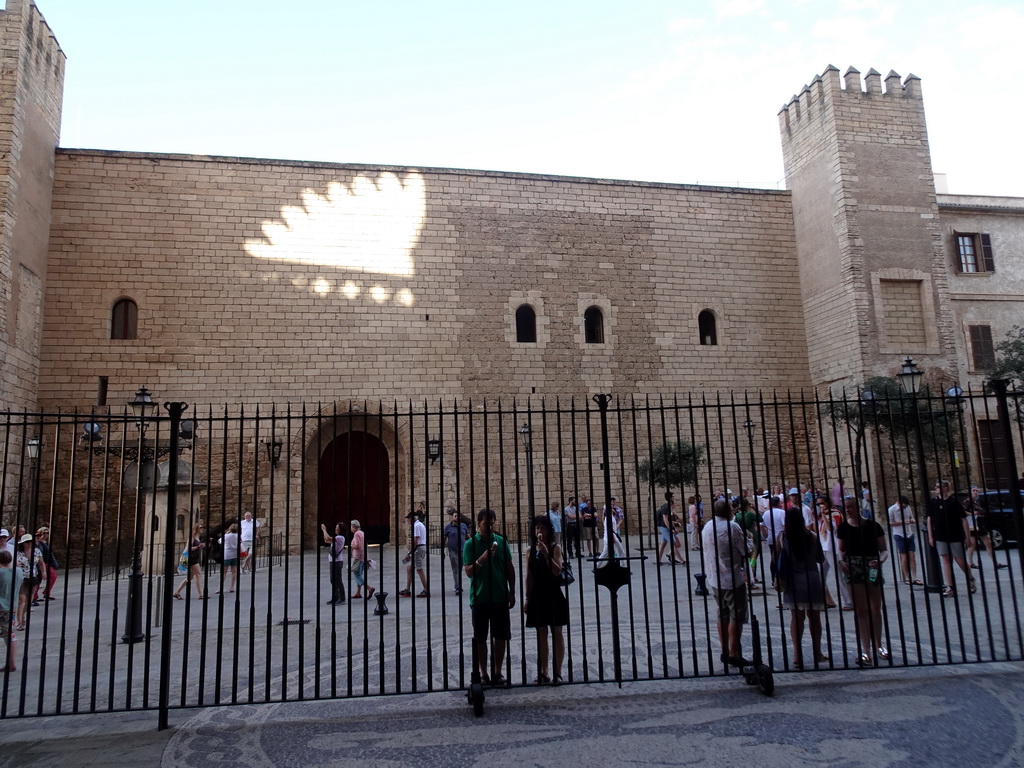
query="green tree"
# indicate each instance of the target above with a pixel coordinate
(672, 464)
(890, 412)
(1010, 357)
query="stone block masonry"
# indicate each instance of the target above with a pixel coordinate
(262, 281)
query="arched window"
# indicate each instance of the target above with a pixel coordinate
(706, 327)
(124, 320)
(526, 325)
(181, 523)
(593, 326)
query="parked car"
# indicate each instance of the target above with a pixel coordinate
(1001, 525)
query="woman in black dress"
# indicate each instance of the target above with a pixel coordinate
(545, 605)
(862, 548)
(800, 568)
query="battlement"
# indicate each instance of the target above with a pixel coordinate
(34, 24)
(829, 86)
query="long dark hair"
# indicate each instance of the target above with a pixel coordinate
(797, 536)
(541, 521)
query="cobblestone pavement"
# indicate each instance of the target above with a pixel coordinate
(938, 716)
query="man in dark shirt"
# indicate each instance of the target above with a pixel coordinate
(48, 579)
(663, 523)
(947, 532)
(455, 535)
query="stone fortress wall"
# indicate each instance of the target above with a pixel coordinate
(264, 281)
(31, 91)
(272, 282)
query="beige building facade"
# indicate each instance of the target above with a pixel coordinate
(220, 280)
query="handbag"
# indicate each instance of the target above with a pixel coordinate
(565, 578)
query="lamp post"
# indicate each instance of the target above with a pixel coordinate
(143, 407)
(524, 434)
(33, 447)
(910, 377)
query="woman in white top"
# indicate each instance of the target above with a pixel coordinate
(830, 546)
(250, 532)
(903, 524)
(230, 542)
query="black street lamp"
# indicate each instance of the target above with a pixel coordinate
(33, 448)
(524, 434)
(144, 408)
(910, 377)
(433, 449)
(274, 451)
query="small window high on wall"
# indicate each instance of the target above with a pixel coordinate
(593, 326)
(526, 325)
(707, 327)
(124, 320)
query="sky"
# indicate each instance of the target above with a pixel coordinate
(649, 90)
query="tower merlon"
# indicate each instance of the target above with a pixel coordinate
(852, 79)
(893, 83)
(912, 86)
(873, 81)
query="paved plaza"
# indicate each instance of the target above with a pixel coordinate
(275, 638)
(938, 716)
(239, 650)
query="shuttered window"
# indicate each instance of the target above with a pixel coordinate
(974, 252)
(983, 353)
(124, 320)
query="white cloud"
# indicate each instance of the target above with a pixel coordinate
(735, 9)
(685, 25)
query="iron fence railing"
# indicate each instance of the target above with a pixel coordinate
(111, 493)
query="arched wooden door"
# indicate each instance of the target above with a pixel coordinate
(354, 482)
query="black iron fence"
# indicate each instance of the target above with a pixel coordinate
(127, 493)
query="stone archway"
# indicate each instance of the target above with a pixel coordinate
(352, 455)
(354, 481)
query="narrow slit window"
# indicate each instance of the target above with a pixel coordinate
(593, 326)
(707, 327)
(526, 325)
(124, 320)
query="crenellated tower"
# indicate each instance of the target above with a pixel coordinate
(31, 90)
(869, 245)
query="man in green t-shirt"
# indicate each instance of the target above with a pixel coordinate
(492, 594)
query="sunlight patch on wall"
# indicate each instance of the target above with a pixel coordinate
(370, 225)
(350, 290)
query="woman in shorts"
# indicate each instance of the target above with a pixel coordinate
(902, 523)
(230, 543)
(863, 550)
